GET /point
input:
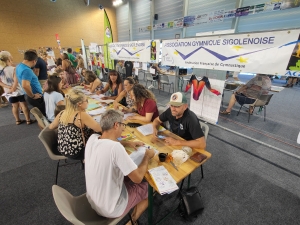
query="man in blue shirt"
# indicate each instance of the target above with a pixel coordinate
(29, 81)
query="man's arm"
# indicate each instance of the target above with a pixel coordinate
(138, 174)
(156, 123)
(36, 71)
(198, 143)
(27, 88)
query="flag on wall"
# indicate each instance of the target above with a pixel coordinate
(108, 38)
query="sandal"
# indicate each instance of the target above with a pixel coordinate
(30, 121)
(18, 122)
(225, 112)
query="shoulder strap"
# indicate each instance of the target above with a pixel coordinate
(2, 70)
(75, 117)
(83, 139)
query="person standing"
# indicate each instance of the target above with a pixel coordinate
(29, 81)
(71, 57)
(9, 81)
(128, 68)
(40, 69)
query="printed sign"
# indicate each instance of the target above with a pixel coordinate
(269, 53)
(139, 51)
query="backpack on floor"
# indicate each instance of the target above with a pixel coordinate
(191, 203)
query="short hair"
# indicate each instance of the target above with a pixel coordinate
(90, 76)
(69, 50)
(109, 118)
(30, 55)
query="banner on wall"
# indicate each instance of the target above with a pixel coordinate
(268, 53)
(139, 51)
(178, 23)
(108, 38)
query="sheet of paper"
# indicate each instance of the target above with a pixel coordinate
(136, 65)
(93, 101)
(106, 101)
(92, 106)
(97, 96)
(138, 155)
(152, 71)
(86, 92)
(144, 67)
(128, 114)
(136, 71)
(97, 118)
(10, 94)
(79, 87)
(163, 180)
(97, 111)
(148, 129)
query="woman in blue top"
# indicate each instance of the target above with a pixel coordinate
(114, 86)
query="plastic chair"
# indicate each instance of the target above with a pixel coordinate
(161, 109)
(40, 118)
(205, 129)
(78, 210)
(164, 80)
(149, 78)
(228, 87)
(49, 139)
(261, 102)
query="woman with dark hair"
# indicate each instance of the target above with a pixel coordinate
(95, 83)
(145, 104)
(69, 69)
(114, 86)
(53, 96)
(125, 94)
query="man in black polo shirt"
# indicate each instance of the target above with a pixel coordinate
(40, 70)
(183, 122)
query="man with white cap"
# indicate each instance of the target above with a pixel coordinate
(183, 122)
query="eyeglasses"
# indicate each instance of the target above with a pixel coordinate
(124, 124)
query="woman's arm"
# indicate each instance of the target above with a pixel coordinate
(4, 85)
(55, 122)
(147, 118)
(94, 85)
(90, 122)
(15, 84)
(64, 65)
(105, 89)
(119, 98)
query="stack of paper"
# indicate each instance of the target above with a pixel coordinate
(148, 129)
(163, 180)
(97, 111)
(138, 155)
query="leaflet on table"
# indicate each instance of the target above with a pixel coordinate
(97, 96)
(97, 111)
(106, 101)
(138, 155)
(97, 118)
(92, 106)
(86, 92)
(163, 180)
(126, 115)
(148, 129)
(126, 137)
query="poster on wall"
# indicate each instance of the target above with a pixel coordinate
(268, 52)
(188, 21)
(201, 19)
(216, 16)
(139, 51)
(206, 97)
(229, 14)
(243, 11)
(178, 23)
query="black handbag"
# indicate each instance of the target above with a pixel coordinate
(191, 203)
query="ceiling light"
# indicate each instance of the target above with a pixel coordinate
(117, 2)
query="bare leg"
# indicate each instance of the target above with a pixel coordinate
(138, 210)
(15, 111)
(231, 103)
(25, 110)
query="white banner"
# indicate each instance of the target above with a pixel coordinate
(268, 53)
(139, 51)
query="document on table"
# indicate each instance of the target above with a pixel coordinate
(126, 115)
(138, 155)
(97, 96)
(86, 92)
(97, 111)
(148, 129)
(97, 118)
(106, 101)
(92, 106)
(163, 180)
